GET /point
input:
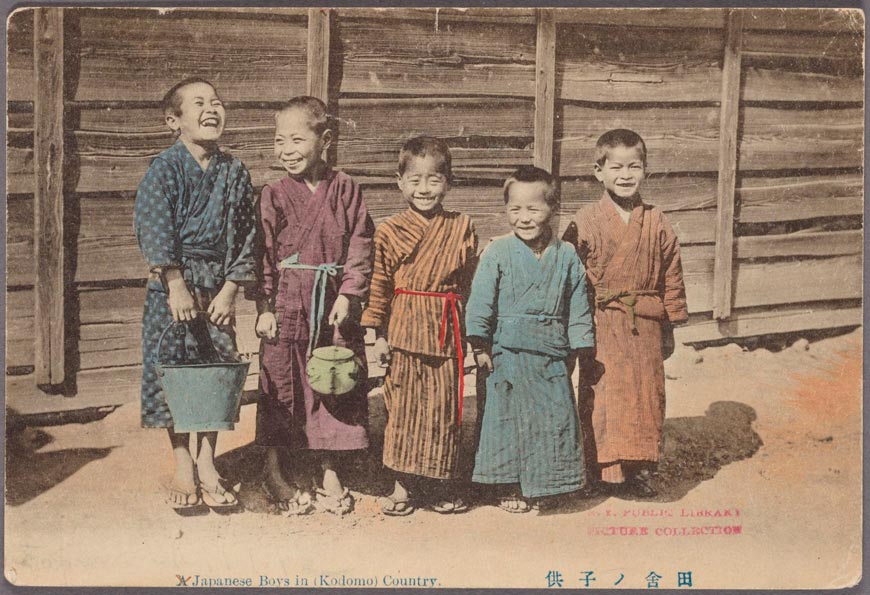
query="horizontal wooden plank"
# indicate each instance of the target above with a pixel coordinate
(19, 328)
(464, 58)
(832, 243)
(792, 139)
(678, 139)
(780, 84)
(846, 20)
(705, 18)
(669, 193)
(19, 170)
(19, 55)
(769, 199)
(243, 56)
(838, 44)
(637, 64)
(115, 146)
(437, 17)
(766, 321)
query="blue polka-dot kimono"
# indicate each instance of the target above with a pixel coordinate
(203, 222)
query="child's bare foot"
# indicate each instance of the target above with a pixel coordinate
(212, 485)
(398, 503)
(334, 497)
(182, 488)
(514, 504)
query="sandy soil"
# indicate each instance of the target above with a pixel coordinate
(762, 452)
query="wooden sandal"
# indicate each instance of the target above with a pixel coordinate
(392, 507)
(340, 505)
(514, 504)
(450, 506)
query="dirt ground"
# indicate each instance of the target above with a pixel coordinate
(760, 487)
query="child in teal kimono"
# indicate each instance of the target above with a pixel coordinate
(195, 223)
(527, 314)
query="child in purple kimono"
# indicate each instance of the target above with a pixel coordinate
(195, 223)
(317, 246)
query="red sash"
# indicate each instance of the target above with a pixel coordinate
(449, 301)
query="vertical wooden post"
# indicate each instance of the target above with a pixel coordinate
(723, 268)
(48, 321)
(318, 53)
(545, 88)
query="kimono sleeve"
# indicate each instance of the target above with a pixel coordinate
(239, 265)
(154, 217)
(377, 311)
(268, 216)
(674, 289)
(358, 264)
(481, 311)
(580, 329)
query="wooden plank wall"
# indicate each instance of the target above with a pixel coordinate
(468, 77)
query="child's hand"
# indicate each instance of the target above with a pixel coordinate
(221, 308)
(267, 326)
(382, 352)
(181, 303)
(339, 312)
(483, 361)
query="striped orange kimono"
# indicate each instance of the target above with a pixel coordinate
(637, 282)
(416, 254)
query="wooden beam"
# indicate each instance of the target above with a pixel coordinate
(545, 88)
(728, 119)
(318, 53)
(48, 210)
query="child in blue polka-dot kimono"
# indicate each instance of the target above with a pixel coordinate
(195, 223)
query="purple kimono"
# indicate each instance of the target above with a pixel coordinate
(327, 227)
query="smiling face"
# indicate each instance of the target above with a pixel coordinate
(298, 146)
(422, 185)
(201, 116)
(622, 172)
(528, 212)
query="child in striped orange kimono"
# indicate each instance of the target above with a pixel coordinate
(632, 260)
(424, 261)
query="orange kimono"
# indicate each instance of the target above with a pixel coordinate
(637, 283)
(417, 260)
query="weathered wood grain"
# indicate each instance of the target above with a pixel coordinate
(19, 56)
(768, 83)
(436, 17)
(728, 113)
(678, 139)
(843, 20)
(831, 243)
(766, 321)
(769, 199)
(637, 64)
(243, 55)
(114, 146)
(772, 138)
(19, 328)
(48, 226)
(545, 92)
(815, 45)
(707, 18)
(415, 58)
(318, 56)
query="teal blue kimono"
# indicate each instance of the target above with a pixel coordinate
(533, 312)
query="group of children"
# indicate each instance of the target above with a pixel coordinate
(321, 274)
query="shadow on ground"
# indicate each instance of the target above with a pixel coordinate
(695, 448)
(23, 442)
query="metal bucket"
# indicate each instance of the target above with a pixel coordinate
(202, 397)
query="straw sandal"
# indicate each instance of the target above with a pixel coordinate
(209, 494)
(176, 491)
(454, 505)
(514, 504)
(393, 507)
(340, 505)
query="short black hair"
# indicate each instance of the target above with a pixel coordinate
(618, 137)
(171, 103)
(530, 174)
(314, 108)
(426, 146)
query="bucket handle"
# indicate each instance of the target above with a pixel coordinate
(176, 322)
